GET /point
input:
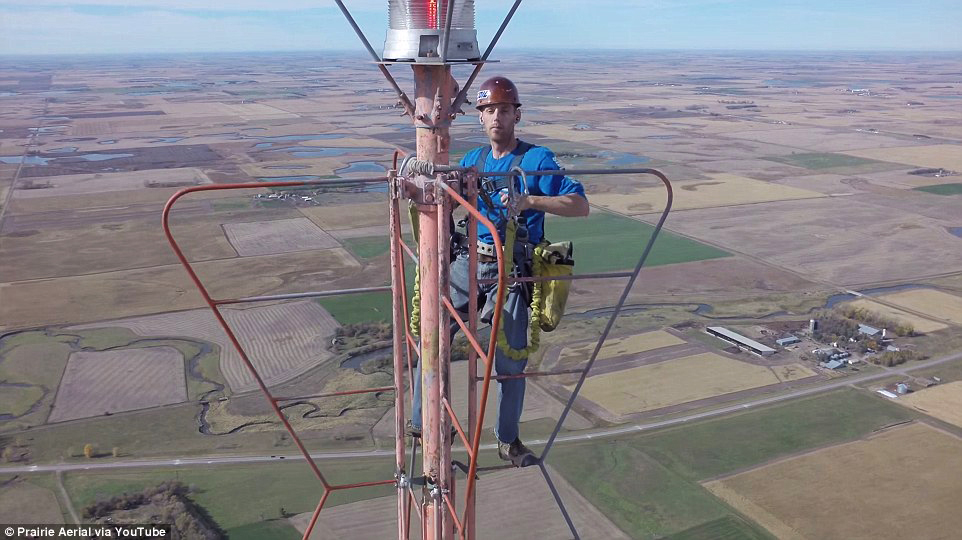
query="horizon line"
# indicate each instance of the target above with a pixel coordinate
(506, 49)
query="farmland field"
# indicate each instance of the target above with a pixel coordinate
(369, 306)
(937, 304)
(224, 491)
(127, 293)
(278, 236)
(96, 383)
(942, 189)
(511, 504)
(282, 340)
(943, 401)
(26, 503)
(886, 245)
(919, 324)
(84, 184)
(862, 477)
(948, 156)
(823, 161)
(619, 346)
(597, 250)
(538, 404)
(348, 216)
(622, 479)
(707, 449)
(673, 382)
(721, 189)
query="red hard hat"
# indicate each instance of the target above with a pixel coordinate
(497, 90)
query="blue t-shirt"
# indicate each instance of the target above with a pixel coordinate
(537, 158)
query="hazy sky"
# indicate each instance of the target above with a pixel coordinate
(129, 26)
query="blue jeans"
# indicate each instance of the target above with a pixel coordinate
(514, 320)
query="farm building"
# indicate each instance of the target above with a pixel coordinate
(785, 341)
(740, 340)
(870, 331)
(832, 364)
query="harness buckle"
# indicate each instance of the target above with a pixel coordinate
(488, 184)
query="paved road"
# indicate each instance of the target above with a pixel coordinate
(221, 460)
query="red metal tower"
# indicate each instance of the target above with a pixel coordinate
(431, 186)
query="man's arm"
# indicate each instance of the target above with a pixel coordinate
(571, 205)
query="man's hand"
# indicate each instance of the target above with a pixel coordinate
(572, 205)
(524, 201)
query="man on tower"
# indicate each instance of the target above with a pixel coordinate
(500, 112)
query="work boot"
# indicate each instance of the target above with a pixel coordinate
(415, 432)
(515, 452)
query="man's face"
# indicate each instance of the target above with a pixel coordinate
(499, 120)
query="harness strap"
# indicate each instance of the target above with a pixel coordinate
(498, 183)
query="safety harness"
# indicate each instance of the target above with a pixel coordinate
(547, 297)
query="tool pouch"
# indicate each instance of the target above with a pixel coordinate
(554, 260)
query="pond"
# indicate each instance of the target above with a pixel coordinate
(26, 160)
(101, 157)
(362, 167)
(321, 151)
(622, 158)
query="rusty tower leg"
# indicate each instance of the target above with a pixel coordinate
(398, 320)
(433, 90)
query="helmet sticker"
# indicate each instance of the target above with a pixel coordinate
(483, 94)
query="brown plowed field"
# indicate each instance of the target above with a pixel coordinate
(900, 483)
(729, 277)
(24, 503)
(836, 239)
(943, 402)
(85, 184)
(514, 503)
(97, 382)
(282, 340)
(278, 236)
(128, 293)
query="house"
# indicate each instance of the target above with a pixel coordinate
(832, 364)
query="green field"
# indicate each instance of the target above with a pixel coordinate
(716, 447)
(605, 242)
(596, 250)
(246, 499)
(369, 247)
(643, 498)
(279, 529)
(817, 161)
(727, 528)
(942, 189)
(649, 485)
(17, 400)
(365, 307)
